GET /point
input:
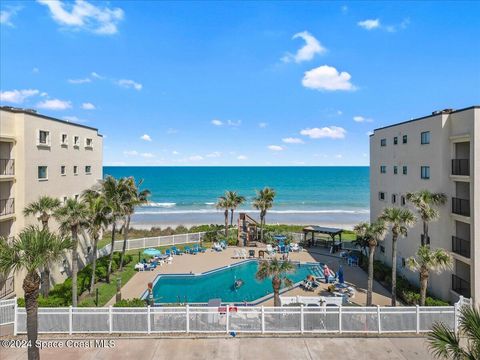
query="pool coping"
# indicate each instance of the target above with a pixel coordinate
(144, 295)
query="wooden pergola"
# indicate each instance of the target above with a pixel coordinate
(314, 229)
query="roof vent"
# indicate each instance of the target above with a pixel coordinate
(444, 111)
(31, 111)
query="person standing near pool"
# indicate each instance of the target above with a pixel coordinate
(326, 273)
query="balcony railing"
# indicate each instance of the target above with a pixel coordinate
(460, 286)
(8, 287)
(7, 167)
(7, 206)
(461, 167)
(461, 246)
(461, 206)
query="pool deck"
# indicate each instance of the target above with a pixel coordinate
(210, 260)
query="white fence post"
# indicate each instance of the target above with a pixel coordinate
(187, 312)
(263, 320)
(70, 320)
(455, 320)
(15, 317)
(379, 320)
(173, 239)
(417, 312)
(302, 320)
(110, 319)
(227, 314)
(149, 325)
(340, 319)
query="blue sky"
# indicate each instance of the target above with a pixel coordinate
(267, 83)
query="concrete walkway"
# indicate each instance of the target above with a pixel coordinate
(401, 348)
(211, 260)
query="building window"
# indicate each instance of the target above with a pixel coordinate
(395, 140)
(42, 173)
(383, 169)
(403, 200)
(395, 170)
(76, 140)
(88, 169)
(404, 139)
(404, 170)
(425, 137)
(383, 142)
(75, 170)
(381, 196)
(425, 172)
(88, 142)
(63, 170)
(64, 139)
(43, 137)
(394, 198)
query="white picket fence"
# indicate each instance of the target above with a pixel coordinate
(152, 242)
(227, 318)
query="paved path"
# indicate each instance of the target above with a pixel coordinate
(401, 348)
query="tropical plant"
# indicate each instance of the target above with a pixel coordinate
(370, 234)
(399, 221)
(277, 270)
(28, 252)
(97, 220)
(426, 261)
(425, 203)
(72, 216)
(131, 198)
(263, 202)
(223, 204)
(43, 209)
(446, 344)
(234, 200)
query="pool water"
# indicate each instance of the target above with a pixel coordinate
(220, 284)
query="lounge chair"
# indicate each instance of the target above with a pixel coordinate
(270, 249)
(243, 253)
(217, 247)
(199, 248)
(177, 251)
(236, 254)
(223, 244)
(295, 247)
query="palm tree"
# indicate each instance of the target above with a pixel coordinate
(370, 234)
(29, 252)
(424, 201)
(97, 220)
(223, 204)
(43, 209)
(426, 261)
(235, 200)
(277, 270)
(72, 217)
(399, 220)
(132, 197)
(446, 344)
(263, 202)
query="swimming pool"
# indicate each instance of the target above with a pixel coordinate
(219, 283)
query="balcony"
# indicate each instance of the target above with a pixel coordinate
(460, 286)
(461, 246)
(460, 206)
(461, 167)
(7, 206)
(8, 287)
(7, 167)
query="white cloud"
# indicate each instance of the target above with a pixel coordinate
(332, 132)
(344, 9)
(292, 140)
(275, 147)
(97, 76)
(327, 78)
(130, 153)
(79, 81)
(241, 157)
(146, 137)
(195, 158)
(54, 104)
(217, 122)
(262, 125)
(361, 119)
(7, 14)
(307, 52)
(35, 70)
(147, 155)
(175, 152)
(129, 84)
(339, 156)
(369, 24)
(214, 154)
(77, 120)
(88, 106)
(234, 123)
(82, 15)
(17, 96)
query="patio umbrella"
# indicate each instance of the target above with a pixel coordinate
(280, 237)
(152, 252)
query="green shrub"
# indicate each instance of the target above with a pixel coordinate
(435, 302)
(131, 303)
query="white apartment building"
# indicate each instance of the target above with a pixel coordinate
(41, 155)
(440, 153)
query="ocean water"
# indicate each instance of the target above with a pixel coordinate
(305, 195)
